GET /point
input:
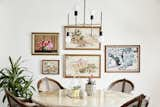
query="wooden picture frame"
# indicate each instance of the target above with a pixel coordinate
(50, 67)
(82, 65)
(82, 38)
(45, 43)
(122, 58)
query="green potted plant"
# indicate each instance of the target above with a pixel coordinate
(13, 79)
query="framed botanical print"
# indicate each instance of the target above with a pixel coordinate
(82, 65)
(82, 37)
(45, 43)
(50, 66)
(122, 58)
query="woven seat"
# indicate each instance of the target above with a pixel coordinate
(48, 84)
(122, 85)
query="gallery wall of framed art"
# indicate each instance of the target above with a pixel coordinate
(84, 40)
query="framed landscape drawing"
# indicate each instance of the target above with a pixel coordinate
(44, 43)
(122, 58)
(82, 37)
(50, 66)
(82, 65)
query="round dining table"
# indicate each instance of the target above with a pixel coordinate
(101, 98)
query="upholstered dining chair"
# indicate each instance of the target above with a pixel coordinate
(122, 85)
(135, 102)
(16, 102)
(48, 84)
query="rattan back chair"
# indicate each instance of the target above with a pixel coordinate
(135, 102)
(122, 85)
(48, 84)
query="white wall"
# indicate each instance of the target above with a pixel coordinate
(124, 22)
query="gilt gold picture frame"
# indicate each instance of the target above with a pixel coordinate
(82, 37)
(45, 43)
(122, 58)
(82, 65)
(50, 67)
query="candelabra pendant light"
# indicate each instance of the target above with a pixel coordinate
(68, 35)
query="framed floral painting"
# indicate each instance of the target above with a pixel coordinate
(82, 66)
(44, 43)
(50, 66)
(82, 37)
(122, 58)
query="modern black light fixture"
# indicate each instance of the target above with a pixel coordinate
(68, 38)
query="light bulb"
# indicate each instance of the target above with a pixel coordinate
(68, 39)
(101, 39)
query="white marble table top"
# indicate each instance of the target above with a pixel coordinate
(101, 98)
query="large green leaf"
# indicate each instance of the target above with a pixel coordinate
(17, 63)
(11, 62)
